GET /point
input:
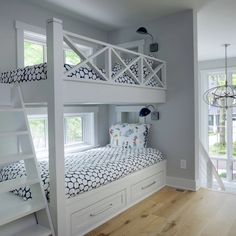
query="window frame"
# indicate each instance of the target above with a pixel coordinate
(88, 124)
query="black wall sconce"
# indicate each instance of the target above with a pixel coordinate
(145, 111)
(153, 46)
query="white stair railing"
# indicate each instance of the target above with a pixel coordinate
(211, 170)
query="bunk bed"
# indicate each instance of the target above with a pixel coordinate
(110, 75)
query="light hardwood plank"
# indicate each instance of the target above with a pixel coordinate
(176, 213)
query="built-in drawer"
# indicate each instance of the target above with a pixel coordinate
(146, 186)
(82, 220)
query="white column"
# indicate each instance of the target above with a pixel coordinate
(196, 102)
(55, 124)
(20, 47)
(209, 174)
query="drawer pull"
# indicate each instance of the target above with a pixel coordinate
(149, 185)
(101, 211)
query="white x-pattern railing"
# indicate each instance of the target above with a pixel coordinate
(112, 55)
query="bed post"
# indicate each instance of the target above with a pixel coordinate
(55, 124)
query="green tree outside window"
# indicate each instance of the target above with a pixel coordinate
(33, 53)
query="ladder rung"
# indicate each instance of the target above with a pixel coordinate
(14, 208)
(9, 185)
(14, 133)
(35, 230)
(14, 158)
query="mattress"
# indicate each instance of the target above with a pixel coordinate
(89, 170)
(39, 72)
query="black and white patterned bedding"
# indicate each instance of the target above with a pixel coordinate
(39, 72)
(88, 170)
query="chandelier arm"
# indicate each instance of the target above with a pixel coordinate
(222, 96)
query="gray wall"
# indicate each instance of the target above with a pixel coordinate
(103, 125)
(173, 134)
(21, 10)
(11, 10)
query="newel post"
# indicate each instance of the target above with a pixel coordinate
(55, 124)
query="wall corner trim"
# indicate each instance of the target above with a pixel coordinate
(182, 183)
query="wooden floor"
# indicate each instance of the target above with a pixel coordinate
(170, 212)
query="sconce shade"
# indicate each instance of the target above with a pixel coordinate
(144, 112)
(142, 30)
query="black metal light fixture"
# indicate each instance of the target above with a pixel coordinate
(223, 96)
(145, 111)
(153, 45)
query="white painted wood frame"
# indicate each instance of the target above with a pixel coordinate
(55, 124)
(107, 91)
(61, 90)
(91, 209)
(110, 51)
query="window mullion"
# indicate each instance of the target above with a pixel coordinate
(229, 143)
(229, 137)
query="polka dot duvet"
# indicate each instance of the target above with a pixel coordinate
(39, 72)
(88, 170)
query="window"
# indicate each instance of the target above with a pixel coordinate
(75, 136)
(71, 57)
(73, 130)
(35, 51)
(210, 120)
(222, 127)
(39, 127)
(217, 131)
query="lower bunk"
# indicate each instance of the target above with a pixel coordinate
(89, 210)
(99, 183)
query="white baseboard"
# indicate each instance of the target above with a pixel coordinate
(182, 183)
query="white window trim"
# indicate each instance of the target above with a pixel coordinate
(20, 28)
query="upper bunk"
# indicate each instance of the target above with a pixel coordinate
(107, 74)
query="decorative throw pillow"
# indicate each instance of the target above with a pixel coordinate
(129, 135)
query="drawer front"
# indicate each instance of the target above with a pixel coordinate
(146, 186)
(84, 219)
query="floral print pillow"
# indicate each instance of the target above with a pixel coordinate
(129, 135)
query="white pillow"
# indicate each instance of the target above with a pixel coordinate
(129, 135)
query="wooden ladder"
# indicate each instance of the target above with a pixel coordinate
(16, 144)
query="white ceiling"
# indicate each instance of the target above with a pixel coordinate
(113, 14)
(216, 18)
(216, 26)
